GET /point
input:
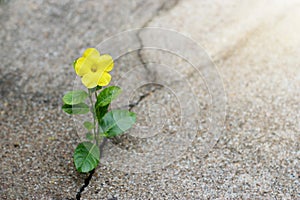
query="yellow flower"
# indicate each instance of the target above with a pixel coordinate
(94, 68)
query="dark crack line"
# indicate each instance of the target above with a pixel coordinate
(140, 56)
(132, 105)
(164, 7)
(86, 183)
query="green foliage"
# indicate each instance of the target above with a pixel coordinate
(75, 97)
(116, 122)
(88, 125)
(101, 111)
(76, 109)
(110, 124)
(105, 123)
(108, 95)
(89, 136)
(86, 156)
(74, 63)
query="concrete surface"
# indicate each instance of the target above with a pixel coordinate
(256, 47)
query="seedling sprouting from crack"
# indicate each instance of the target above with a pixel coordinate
(94, 69)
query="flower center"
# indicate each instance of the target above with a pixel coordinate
(93, 68)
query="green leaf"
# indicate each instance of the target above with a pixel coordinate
(101, 111)
(116, 122)
(86, 156)
(76, 109)
(89, 136)
(108, 95)
(88, 125)
(103, 100)
(75, 97)
(74, 63)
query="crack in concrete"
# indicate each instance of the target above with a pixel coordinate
(132, 105)
(165, 7)
(86, 183)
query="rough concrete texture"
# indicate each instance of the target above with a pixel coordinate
(256, 48)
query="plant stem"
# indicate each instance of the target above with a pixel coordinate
(97, 132)
(94, 116)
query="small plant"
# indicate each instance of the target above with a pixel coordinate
(94, 69)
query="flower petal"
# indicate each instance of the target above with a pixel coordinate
(90, 79)
(105, 63)
(82, 66)
(104, 80)
(91, 53)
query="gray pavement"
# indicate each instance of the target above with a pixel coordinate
(256, 49)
